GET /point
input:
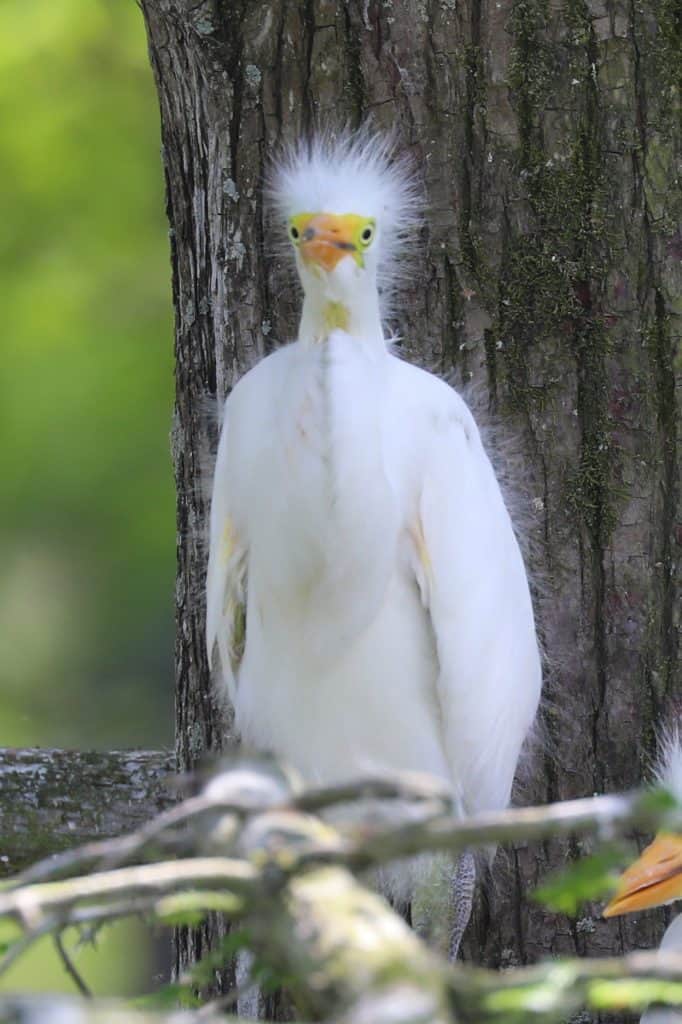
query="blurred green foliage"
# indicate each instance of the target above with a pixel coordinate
(119, 961)
(87, 511)
(594, 877)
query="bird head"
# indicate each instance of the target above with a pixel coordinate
(655, 877)
(351, 211)
(336, 253)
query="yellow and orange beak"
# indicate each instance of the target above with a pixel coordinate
(323, 239)
(654, 878)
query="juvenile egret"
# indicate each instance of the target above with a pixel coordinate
(365, 592)
(655, 878)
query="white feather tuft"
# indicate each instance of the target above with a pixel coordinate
(359, 172)
(668, 768)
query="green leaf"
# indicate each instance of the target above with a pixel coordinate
(661, 802)
(591, 878)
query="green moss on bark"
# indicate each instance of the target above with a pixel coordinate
(552, 275)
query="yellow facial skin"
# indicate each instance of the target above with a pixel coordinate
(325, 238)
(336, 317)
(654, 878)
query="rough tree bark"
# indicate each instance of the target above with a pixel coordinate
(548, 136)
(51, 800)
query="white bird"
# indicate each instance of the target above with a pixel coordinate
(365, 588)
(655, 878)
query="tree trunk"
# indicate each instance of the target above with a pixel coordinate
(548, 276)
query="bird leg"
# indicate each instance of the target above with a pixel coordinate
(442, 900)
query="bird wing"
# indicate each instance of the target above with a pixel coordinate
(474, 584)
(226, 574)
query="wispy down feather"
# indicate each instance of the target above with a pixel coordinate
(668, 767)
(358, 173)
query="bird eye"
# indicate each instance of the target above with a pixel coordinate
(294, 233)
(367, 234)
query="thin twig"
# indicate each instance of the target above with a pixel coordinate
(110, 853)
(70, 967)
(107, 854)
(603, 816)
(410, 787)
(99, 913)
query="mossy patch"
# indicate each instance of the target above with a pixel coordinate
(553, 269)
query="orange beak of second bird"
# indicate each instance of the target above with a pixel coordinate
(654, 878)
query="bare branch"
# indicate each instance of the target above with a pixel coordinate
(307, 917)
(605, 817)
(70, 967)
(30, 904)
(552, 990)
(408, 786)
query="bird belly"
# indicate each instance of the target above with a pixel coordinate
(370, 708)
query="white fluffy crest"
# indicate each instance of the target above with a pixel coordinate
(352, 172)
(668, 767)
